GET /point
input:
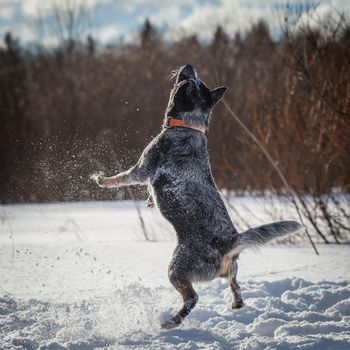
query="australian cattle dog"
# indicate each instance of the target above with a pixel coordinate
(175, 166)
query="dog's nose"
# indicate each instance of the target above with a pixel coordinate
(188, 72)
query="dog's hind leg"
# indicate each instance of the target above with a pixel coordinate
(189, 297)
(181, 269)
(236, 290)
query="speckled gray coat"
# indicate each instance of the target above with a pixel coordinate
(184, 190)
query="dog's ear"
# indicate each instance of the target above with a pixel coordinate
(217, 93)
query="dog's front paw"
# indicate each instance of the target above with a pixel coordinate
(98, 178)
(150, 202)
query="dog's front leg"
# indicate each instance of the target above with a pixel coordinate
(136, 175)
(133, 176)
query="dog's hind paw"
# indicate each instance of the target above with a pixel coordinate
(172, 323)
(237, 304)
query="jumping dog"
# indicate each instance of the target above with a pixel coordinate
(175, 166)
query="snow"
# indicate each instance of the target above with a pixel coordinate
(82, 276)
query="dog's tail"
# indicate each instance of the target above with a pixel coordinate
(257, 236)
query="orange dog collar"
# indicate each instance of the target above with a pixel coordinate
(171, 122)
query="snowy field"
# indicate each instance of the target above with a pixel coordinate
(82, 276)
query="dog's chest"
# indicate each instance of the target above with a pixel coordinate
(167, 188)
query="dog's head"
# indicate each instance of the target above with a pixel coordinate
(190, 99)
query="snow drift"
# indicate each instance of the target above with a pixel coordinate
(82, 277)
(286, 313)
